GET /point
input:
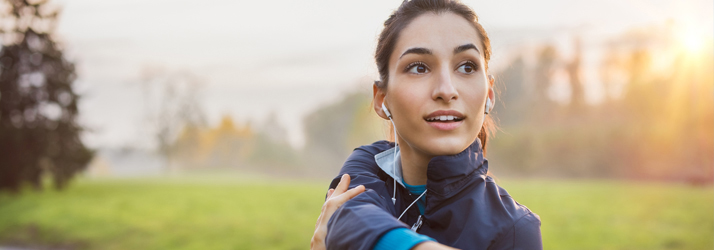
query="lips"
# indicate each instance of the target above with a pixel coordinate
(445, 116)
(445, 119)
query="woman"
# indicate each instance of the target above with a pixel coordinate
(431, 189)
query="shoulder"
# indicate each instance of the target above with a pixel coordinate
(522, 226)
(374, 148)
(516, 210)
(361, 162)
(362, 158)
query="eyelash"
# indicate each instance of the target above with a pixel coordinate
(414, 64)
(473, 64)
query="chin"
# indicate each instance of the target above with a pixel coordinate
(446, 146)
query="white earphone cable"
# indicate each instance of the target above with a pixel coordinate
(394, 169)
(394, 173)
(410, 205)
(394, 162)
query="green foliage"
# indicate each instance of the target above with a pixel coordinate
(257, 214)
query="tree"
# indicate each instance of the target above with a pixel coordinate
(548, 59)
(334, 130)
(39, 134)
(172, 101)
(577, 99)
(515, 93)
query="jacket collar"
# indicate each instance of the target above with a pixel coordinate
(391, 163)
(446, 175)
(449, 174)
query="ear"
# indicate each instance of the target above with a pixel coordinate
(491, 93)
(378, 96)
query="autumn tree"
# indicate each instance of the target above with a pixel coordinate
(172, 102)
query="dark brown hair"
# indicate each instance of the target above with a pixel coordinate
(408, 11)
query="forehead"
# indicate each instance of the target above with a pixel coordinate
(440, 33)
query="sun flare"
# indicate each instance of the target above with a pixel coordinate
(692, 41)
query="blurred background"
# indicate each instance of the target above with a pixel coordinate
(219, 124)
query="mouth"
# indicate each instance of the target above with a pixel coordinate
(445, 119)
(445, 116)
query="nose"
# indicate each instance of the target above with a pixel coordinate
(444, 88)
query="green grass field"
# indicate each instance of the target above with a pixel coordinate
(243, 214)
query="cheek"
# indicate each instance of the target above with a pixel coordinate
(474, 94)
(474, 101)
(407, 105)
(407, 97)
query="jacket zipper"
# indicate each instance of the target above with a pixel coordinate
(417, 224)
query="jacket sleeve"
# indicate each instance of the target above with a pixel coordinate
(361, 221)
(524, 235)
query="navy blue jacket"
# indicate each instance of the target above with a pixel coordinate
(464, 207)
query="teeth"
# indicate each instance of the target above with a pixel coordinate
(442, 118)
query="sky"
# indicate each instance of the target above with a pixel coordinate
(288, 58)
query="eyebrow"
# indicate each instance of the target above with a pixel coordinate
(417, 50)
(466, 47)
(425, 51)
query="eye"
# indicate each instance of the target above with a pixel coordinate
(467, 68)
(417, 68)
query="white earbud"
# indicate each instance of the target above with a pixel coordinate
(389, 115)
(488, 105)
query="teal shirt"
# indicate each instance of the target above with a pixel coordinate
(417, 190)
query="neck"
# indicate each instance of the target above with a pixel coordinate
(414, 165)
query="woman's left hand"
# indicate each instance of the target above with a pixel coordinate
(335, 198)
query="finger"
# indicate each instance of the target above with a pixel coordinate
(343, 185)
(341, 199)
(329, 192)
(352, 192)
(336, 202)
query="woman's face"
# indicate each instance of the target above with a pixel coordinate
(437, 85)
